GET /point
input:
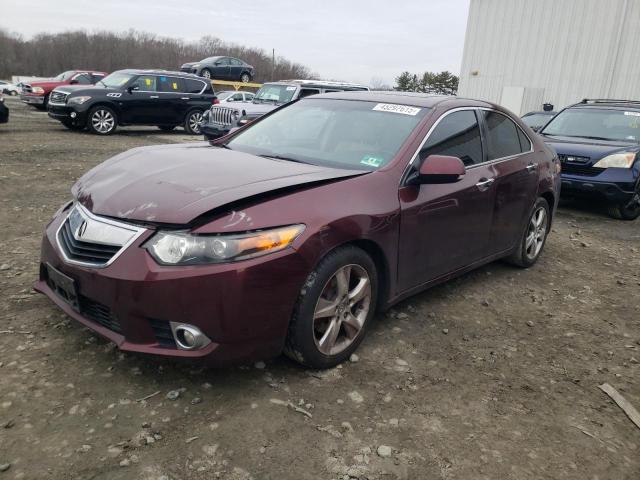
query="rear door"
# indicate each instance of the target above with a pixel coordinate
(445, 227)
(235, 69)
(173, 100)
(514, 166)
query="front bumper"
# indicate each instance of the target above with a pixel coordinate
(67, 113)
(214, 130)
(615, 185)
(32, 99)
(243, 307)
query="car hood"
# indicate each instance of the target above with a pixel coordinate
(594, 149)
(189, 64)
(86, 89)
(259, 108)
(174, 184)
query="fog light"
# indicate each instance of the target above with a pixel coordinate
(73, 114)
(188, 337)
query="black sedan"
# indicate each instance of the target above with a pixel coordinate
(4, 111)
(221, 68)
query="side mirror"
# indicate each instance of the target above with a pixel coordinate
(73, 82)
(133, 88)
(230, 99)
(440, 169)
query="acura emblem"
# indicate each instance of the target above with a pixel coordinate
(82, 228)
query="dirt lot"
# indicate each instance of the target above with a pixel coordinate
(492, 376)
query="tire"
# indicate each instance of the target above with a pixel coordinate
(192, 122)
(627, 211)
(166, 128)
(205, 73)
(245, 77)
(320, 312)
(527, 253)
(102, 120)
(73, 126)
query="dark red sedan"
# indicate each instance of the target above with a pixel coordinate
(289, 234)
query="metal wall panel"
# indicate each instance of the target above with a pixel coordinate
(571, 49)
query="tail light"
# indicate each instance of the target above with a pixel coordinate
(216, 101)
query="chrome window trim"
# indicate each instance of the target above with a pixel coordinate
(416, 154)
(137, 232)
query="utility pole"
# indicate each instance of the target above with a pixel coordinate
(273, 64)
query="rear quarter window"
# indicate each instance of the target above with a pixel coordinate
(192, 85)
(503, 136)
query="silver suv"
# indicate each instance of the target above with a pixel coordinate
(220, 120)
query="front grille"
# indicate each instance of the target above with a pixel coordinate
(93, 253)
(164, 335)
(585, 170)
(58, 98)
(222, 115)
(99, 313)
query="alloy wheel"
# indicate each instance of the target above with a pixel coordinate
(342, 309)
(206, 74)
(194, 122)
(103, 121)
(244, 78)
(536, 233)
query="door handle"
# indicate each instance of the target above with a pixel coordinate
(184, 98)
(154, 96)
(532, 167)
(484, 185)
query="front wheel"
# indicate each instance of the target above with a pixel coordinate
(205, 73)
(102, 120)
(627, 210)
(335, 307)
(245, 78)
(192, 122)
(534, 236)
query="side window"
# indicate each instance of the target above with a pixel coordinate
(96, 77)
(248, 97)
(503, 139)
(305, 92)
(525, 143)
(457, 135)
(224, 61)
(326, 90)
(238, 97)
(145, 83)
(170, 84)
(235, 62)
(82, 79)
(192, 86)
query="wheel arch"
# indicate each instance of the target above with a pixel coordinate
(551, 200)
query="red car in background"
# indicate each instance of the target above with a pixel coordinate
(37, 93)
(290, 233)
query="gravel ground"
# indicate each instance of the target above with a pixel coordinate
(492, 376)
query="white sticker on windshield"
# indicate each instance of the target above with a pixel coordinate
(390, 107)
(289, 89)
(632, 114)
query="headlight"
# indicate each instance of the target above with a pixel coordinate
(77, 100)
(37, 90)
(183, 248)
(620, 160)
(236, 114)
(196, 65)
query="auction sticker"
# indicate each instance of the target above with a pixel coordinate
(393, 108)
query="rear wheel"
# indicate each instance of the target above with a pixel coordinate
(245, 77)
(334, 310)
(534, 236)
(102, 120)
(192, 122)
(205, 73)
(629, 210)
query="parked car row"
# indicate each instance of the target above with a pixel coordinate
(37, 93)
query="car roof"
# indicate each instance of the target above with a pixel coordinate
(540, 112)
(608, 103)
(319, 83)
(134, 71)
(414, 99)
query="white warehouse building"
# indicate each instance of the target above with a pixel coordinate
(524, 53)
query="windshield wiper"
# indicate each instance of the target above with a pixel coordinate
(583, 136)
(280, 157)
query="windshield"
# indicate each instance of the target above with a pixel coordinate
(275, 93)
(596, 123)
(334, 133)
(64, 75)
(117, 79)
(224, 95)
(536, 119)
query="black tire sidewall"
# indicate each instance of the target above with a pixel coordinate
(90, 123)
(205, 70)
(301, 345)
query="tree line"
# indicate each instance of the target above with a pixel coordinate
(443, 83)
(48, 54)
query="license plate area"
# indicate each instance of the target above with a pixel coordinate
(63, 286)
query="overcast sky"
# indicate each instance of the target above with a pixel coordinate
(352, 40)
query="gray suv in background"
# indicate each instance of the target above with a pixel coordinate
(221, 119)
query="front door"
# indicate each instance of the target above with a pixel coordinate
(516, 172)
(144, 105)
(222, 69)
(445, 227)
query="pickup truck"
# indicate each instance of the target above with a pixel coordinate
(37, 93)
